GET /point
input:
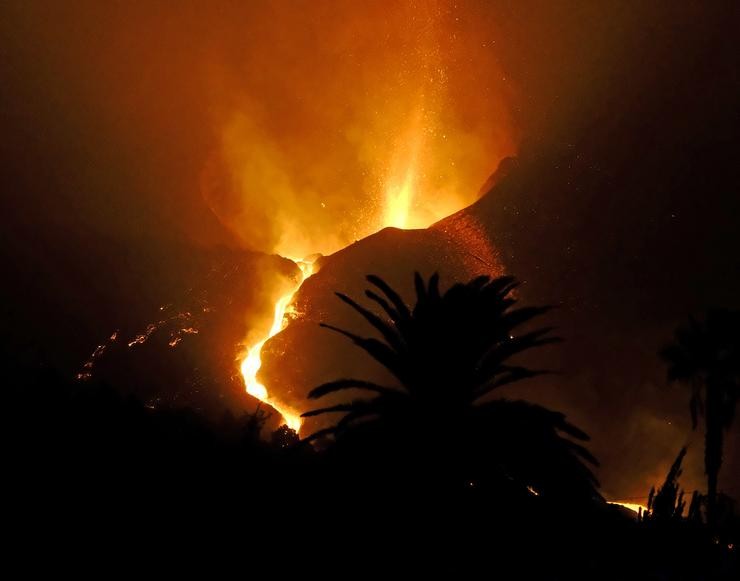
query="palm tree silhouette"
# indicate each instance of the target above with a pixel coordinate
(706, 356)
(448, 354)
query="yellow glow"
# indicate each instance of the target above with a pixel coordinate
(252, 362)
(401, 180)
(633, 506)
(398, 201)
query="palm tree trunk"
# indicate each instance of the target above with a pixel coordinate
(713, 449)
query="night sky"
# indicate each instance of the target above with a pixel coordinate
(118, 156)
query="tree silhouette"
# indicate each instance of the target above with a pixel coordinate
(448, 354)
(706, 356)
(668, 501)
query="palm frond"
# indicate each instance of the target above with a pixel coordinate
(343, 384)
(501, 286)
(341, 407)
(378, 350)
(506, 376)
(478, 282)
(582, 452)
(515, 318)
(388, 332)
(420, 287)
(392, 313)
(499, 352)
(403, 311)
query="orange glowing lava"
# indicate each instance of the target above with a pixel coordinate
(252, 362)
(633, 506)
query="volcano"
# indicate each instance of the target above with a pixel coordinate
(525, 206)
(305, 355)
(195, 338)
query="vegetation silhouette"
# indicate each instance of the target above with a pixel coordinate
(705, 355)
(668, 501)
(439, 481)
(448, 354)
(681, 546)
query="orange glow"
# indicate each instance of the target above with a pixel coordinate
(633, 506)
(366, 135)
(399, 198)
(252, 362)
(384, 122)
(401, 183)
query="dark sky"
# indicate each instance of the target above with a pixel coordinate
(122, 123)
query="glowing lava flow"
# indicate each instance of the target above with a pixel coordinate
(253, 361)
(633, 506)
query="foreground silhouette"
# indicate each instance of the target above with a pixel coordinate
(705, 355)
(448, 354)
(444, 481)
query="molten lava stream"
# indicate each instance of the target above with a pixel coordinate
(253, 361)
